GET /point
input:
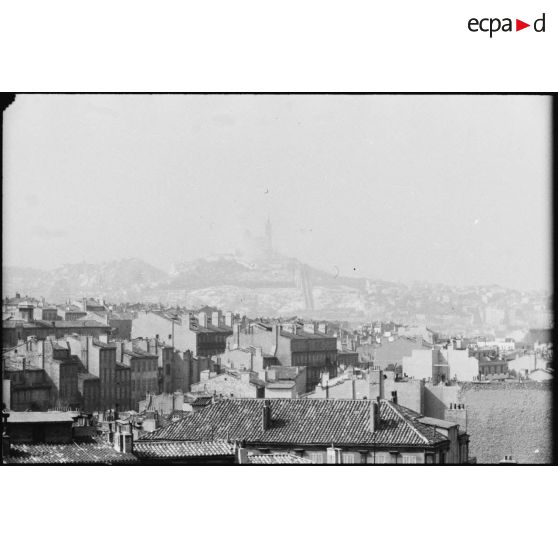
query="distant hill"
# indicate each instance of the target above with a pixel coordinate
(119, 280)
(272, 285)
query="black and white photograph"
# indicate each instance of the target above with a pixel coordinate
(277, 279)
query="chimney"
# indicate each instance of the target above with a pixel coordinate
(327, 390)
(5, 446)
(381, 383)
(353, 382)
(276, 333)
(236, 335)
(5, 436)
(394, 397)
(266, 415)
(374, 416)
(127, 442)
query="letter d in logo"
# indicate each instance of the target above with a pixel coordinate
(539, 24)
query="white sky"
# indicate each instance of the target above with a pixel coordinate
(448, 189)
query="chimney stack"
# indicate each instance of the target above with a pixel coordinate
(394, 397)
(236, 335)
(374, 416)
(353, 386)
(266, 415)
(5, 436)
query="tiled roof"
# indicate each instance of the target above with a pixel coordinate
(304, 422)
(197, 399)
(84, 453)
(278, 459)
(168, 450)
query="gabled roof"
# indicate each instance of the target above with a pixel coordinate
(304, 422)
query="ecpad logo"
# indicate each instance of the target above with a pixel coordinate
(493, 25)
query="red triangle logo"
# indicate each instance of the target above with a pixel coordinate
(519, 25)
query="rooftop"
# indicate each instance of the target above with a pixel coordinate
(82, 453)
(149, 449)
(103, 345)
(210, 329)
(18, 417)
(437, 422)
(139, 353)
(280, 384)
(302, 421)
(301, 334)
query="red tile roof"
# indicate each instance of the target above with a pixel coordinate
(302, 422)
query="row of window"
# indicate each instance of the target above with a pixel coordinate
(145, 365)
(144, 385)
(316, 359)
(28, 395)
(319, 457)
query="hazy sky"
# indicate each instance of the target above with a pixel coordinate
(449, 189)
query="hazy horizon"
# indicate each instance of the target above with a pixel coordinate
(452, 190)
